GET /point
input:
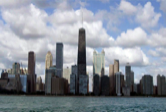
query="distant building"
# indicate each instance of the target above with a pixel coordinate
(67, 73)
(83, 84)
(118, 83)
(48, 61)
(98, 63)
(58, 86)
(161, 85)
(16, 68)
(132, 81)
(39, 84)
(116, 66)
(24, 83)
(48, 78)
(112, 79)
(14, 83)
(9, 71)
(96, 84)
(126, 91)
(154, 90)
(105, 85)
(59, 59)
(3, 83)
(74, 71)
(73, 83)
(147, 85)
(31, 71)
(135, 88)
(122, 82)
(128, 77)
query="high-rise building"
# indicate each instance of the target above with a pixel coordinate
(81, 61)
(105, 85)
(73, 83)
(74, 71)
(39, 84)
(48, 61)
(48, 80)
(116, 69)
(147, 85)
(31, 71)
(98, 63)
(116, 66)
(9, 71)
(67, 73)
(128, 72)
(96, 84)
(161, 85)
(59, 59)
(132, 81)
(83, 84)
(16, 68)
(112, 79)
(118, 83)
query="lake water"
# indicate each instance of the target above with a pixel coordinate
(80, 104)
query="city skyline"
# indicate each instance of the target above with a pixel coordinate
(116, 36)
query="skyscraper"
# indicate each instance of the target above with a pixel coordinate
(74, 71)
(16, 68)
(59, 60)
(116, 66)
(112, 79)
(158, 85)
(132, 81)
(118, 83)
(161, 85)
(98, 63)
(31, 71)
(81, 61)
(48, 61)
(147, 85)
(128, 72)
(67, 73)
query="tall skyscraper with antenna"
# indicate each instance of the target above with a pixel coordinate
(81, 61)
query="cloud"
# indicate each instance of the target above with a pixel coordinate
(127, 7)
(157, 40)
(12, 3)
(135, 56)
(146, 16)
(132, 38)
(153, 53)
(162, 5)
(27, 21)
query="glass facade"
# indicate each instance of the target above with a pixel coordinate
(98, 63)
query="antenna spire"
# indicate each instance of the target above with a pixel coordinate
(82, 18)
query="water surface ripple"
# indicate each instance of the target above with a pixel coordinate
(81, 104)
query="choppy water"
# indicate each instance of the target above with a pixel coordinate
(80, 104)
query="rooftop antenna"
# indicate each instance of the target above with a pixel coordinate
(61, 37)
(82, 19)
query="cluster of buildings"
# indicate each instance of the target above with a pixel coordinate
(22, 80)
(75, 80)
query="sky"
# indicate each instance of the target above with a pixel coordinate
(132, 31)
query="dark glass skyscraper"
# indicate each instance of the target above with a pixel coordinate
(59, 60)
(31, 71)
(81, 61)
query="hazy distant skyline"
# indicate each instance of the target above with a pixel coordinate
(132, 31)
